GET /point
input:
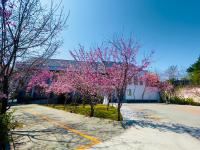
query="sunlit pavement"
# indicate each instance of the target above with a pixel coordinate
(157, 127)
(46, 128)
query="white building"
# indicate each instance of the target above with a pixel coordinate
(138, 91)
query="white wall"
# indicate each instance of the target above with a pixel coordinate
(134, 92)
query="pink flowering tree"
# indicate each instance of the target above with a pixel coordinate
(86, 77)
(60, 85)
(151, 82)
(166, 90)
(50, 82)
(112, 67)
(122, 56)
(40, 80)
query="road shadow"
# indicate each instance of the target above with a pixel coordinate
(39, 134)
(164, 127)
(42, 138)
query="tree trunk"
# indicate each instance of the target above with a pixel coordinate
(118, 111)
(109, 100)
(121, 97)
(84, 101)
(5, 100)
(143, 93)
(108, 104)
(2, 146)
(91, 110)
(65, 102)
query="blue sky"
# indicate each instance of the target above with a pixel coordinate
(169, 27)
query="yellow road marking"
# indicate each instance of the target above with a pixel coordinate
(93, 140)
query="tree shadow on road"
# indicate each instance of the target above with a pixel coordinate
(164, 127)
(37, 133)
(45, 137)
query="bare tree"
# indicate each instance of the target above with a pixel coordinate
(172, 72)
(28, 32)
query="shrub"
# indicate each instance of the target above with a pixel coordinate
(7, 123)
(183, 101)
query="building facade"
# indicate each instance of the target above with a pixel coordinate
(136, 91)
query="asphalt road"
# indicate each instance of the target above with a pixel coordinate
(148, 127)
(157, 127)
(45, 128)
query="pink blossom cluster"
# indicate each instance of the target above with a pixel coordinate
(60, 85)
(150, 79)
(40, 80)
(5, 13)
(166, 86)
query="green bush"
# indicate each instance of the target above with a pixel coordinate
(183, 101)
(6, 124)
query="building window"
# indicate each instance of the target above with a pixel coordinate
(141, 82)
(129, 92)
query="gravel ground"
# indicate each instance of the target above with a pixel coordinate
(46, 128)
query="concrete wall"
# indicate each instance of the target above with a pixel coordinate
(135, 92)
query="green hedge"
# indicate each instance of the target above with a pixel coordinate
(183, 101)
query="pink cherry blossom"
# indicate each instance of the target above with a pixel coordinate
(40, 80)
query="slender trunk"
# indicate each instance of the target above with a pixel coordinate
(65, 102)
(84, 101)
(91, 109)
(160, 96)
(4, 109)
(5, 100)
(120, 99)
(118, 111)
(109, 100)
(143, 93)
(108, 104)
(48, 100)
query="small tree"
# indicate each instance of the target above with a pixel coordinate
(120, 66)
(85, 76)
(172, 73)
(166, 90)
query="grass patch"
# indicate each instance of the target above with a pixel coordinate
(100, 110)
